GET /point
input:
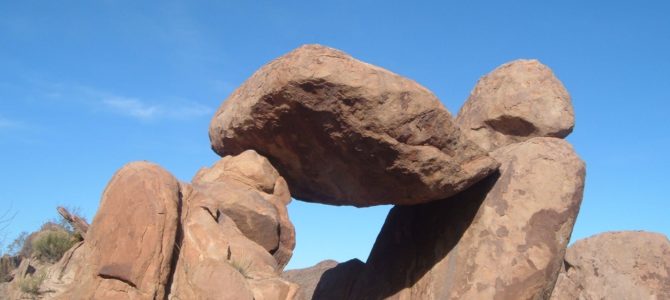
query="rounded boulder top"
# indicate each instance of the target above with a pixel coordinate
(345, 132)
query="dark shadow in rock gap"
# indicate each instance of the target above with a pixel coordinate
(412, 240)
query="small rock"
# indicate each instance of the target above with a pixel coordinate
(517, 101)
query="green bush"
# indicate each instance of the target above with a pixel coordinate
(31, 284)
(50, 245)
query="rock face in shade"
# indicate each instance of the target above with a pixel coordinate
(616, 265)
(308, 278)
(337, 283)
(345, 132)
(129, 246)
(325, 280)
(517, 101)
(249, 190)
(504, 238)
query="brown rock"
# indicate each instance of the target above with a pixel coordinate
(129, 246)
(616, 265)
(176, 241)
(256, 217)
(203, 270)
(249, 190)
(337, 283)
(503, 238)
(61, 275)
(345, 132)
(217, 261)
(517, 101)
(308, 278)
(273, 288)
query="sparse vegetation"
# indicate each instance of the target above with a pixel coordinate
(7, 265)
(242, 267)
(31, 284)
(19, 247)
(50, 245)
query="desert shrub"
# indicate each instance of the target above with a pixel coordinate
(50, 245)
(31, 284)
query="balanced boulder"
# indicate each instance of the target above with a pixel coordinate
(616, 265)
(345, 132)
(517, 101)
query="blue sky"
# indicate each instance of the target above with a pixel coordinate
(87, 86)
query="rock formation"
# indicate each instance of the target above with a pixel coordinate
(248, 189)
(482, 213)
(503, 238)
(130, 245)
(616, 265)
(345, 132)
(308, 278)
(225, 236)
(237, 237)
(517, 101)
(78, 224)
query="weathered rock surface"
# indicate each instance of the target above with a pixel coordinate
(216, 260)
(249, 190)
(345, 132)
(503, 238)
(129, 246)
(156, 238)
(517, 101)
(616, 265)
(236, 233)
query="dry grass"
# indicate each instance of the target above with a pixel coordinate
(31, 284)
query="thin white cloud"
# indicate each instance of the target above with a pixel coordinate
(135, 107)
(141, 110)
(132, 107)
(7, 123)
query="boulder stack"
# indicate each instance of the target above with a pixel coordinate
(485, 203)
(224, 236)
